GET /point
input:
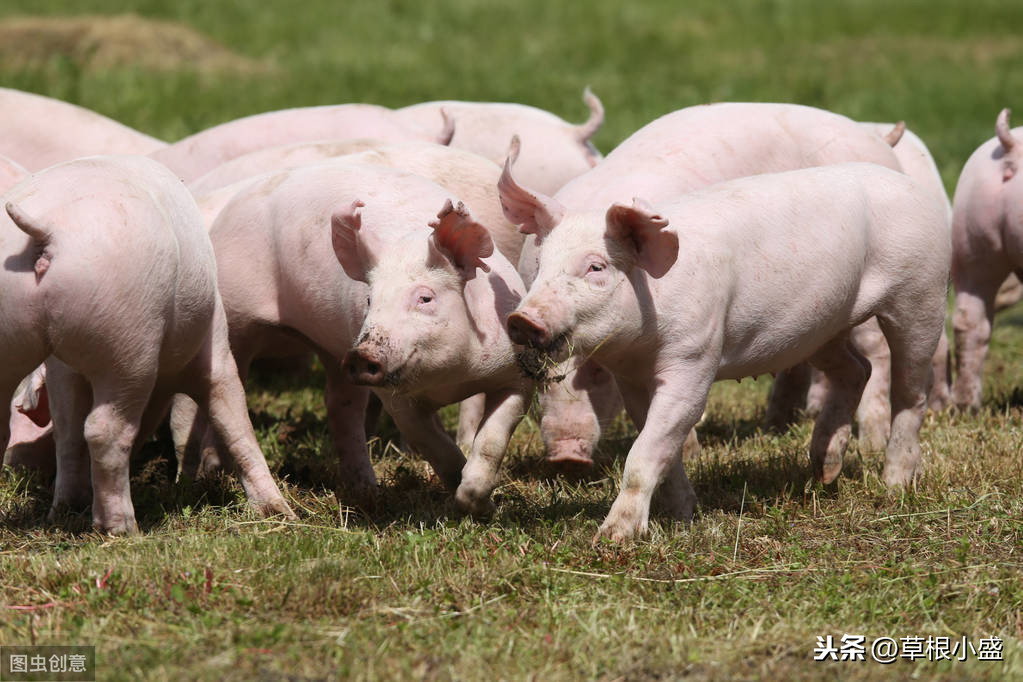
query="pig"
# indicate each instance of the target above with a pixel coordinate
(553, 151)
(874, 413)
(987, 245)
(723, 283)
(11, 173)
(110, 278)
(677, 153)
(199, 154)
(395, 285)
(40, 131)
(469, 176)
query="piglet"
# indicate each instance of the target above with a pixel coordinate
(553, 150)
(110, 278)
(723, 283)
(398, 288)
(41, 131)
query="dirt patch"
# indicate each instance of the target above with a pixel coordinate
(102, 42)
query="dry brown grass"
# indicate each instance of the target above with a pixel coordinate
(96, 43)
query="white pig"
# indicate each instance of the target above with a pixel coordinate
(987, 245)
(199, 154)
(678, 153)
(40, 131)
(724, 283)
(553, 150)
(377, 268)
(110, 277)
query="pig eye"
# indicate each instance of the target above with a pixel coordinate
(595, 267)
(425, 299)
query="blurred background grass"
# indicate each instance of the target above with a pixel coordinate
(944, 66)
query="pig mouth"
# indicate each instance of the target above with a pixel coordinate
(539, 363)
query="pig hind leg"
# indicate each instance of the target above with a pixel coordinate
(70, 402)
(874, 413)
(218, 390)
(912, 346)
(788, 396)
(847, 372)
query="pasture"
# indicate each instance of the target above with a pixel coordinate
(410, 589)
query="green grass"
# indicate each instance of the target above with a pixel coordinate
(411, 590)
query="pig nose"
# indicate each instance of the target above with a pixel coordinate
(526, 331)
(365, 367)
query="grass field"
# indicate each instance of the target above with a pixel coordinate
(412, 590)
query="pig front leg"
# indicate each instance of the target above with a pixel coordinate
(677, 403)
(187, 430)
(502, 412)
(346, 414)
(675, 497)
(421, 428)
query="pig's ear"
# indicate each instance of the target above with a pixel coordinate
(533, 212)
(640, 228)
(460, 240)
(349, 246)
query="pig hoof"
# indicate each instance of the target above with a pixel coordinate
(476, 505)
(273, 507)
(125, 526)
(897, 476)
(828, 470)
(625, 521)
(361, 497)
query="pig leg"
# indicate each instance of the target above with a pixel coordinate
(874, 413)
(912, 350)
(422, 430)
(674, 497)
(470, 416)
(847, 371)
(111, 430)
(502, 412)
(974, 315)
(346, 413)
(788, 396)
(676, 405)
(817, 394)
(187, 431)
(940, 397)
(219, 393)
(70, 403)
(575, 409)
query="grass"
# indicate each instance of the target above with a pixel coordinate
(411, 590)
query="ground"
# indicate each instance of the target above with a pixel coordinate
(411, 589)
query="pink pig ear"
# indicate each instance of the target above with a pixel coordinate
(642, 229)
(461, 240)
(349, 246)
(533, 212)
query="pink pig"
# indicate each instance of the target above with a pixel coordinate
(110, 277)
(553, 151)
(987, 245)
(198, 154)
(723, 283)
(678, 153)
(385, 271)
(40, 131)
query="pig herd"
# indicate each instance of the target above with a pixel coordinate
(456, 252)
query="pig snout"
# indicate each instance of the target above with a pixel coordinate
(526, 330)
(366, 367)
